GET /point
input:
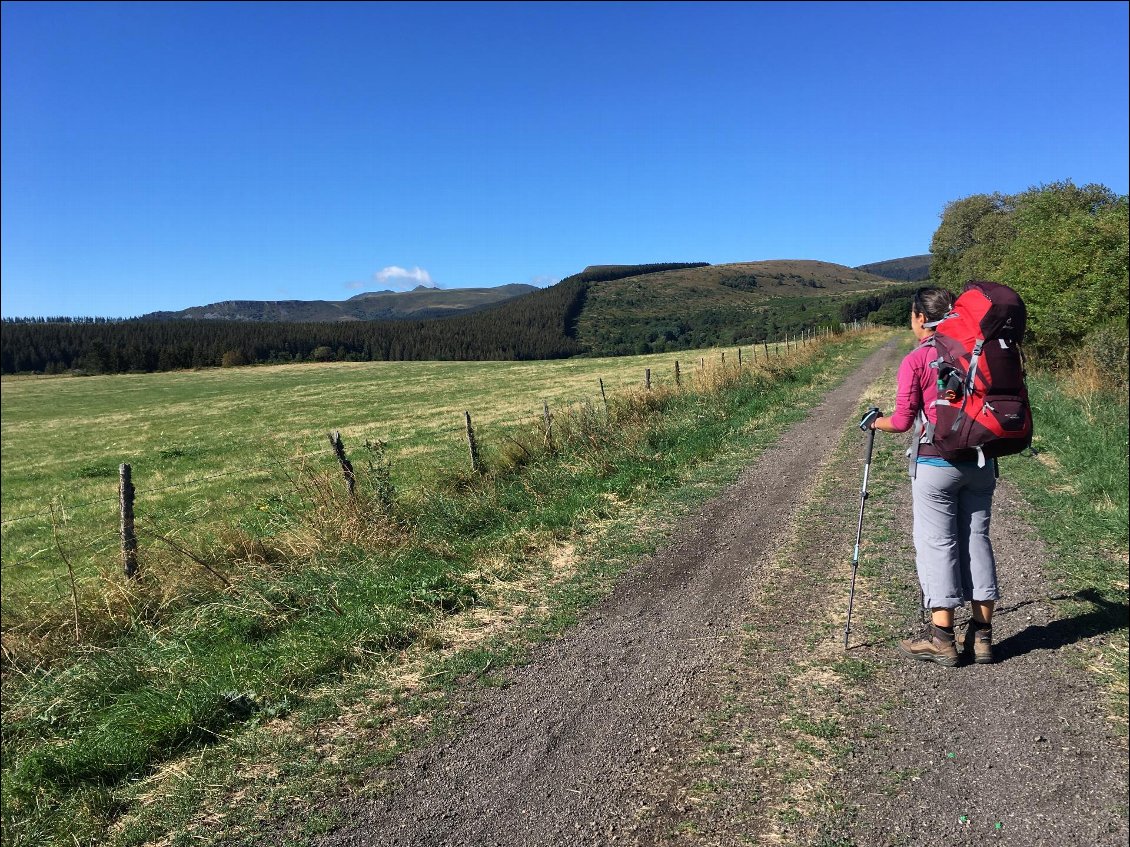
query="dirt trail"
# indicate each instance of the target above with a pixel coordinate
(569, 751)
(593, 742)
(1019, 752)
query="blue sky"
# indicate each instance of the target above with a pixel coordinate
(160, 156)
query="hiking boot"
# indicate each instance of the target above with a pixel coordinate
(977, 645)
(933, 645)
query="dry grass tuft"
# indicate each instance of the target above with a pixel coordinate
(179, 567)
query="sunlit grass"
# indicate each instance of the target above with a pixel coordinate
(214, 443)
(193, 664)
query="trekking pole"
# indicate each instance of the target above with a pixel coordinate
(865, 426)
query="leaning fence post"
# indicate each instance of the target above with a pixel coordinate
(129, 539)
(476, 463)
(346, 465)
(603, 397)
(765, 344)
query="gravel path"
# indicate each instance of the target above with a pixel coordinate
(592, 742)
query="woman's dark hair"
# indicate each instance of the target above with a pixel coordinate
(934, 303)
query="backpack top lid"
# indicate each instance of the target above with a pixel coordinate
(988, 310)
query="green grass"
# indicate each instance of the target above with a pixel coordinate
(1078, 486)
(1079, 502)
(187, 678)
(214, 445)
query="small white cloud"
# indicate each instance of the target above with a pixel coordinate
(355, 286)
(544, 281)
(396, 277)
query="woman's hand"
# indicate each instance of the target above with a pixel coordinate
(884, 425)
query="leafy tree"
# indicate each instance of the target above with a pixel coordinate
(971, 239)
(1063, 247)
(1069, 262)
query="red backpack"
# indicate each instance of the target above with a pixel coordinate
(982, 397)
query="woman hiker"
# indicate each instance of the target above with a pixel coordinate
(952, 505)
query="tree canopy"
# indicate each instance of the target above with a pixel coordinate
(1063, 247)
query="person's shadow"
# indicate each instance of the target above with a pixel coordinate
(1104, 616)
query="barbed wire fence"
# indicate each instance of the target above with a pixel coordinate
(216, 506)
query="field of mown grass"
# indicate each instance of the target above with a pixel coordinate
(210, 445)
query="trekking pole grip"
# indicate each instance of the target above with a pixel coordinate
(870, 445)
(865, 426)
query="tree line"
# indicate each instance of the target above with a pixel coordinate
(534, 326)
(538, 325)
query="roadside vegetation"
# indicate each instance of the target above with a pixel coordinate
(1076, 488)
(267, 638)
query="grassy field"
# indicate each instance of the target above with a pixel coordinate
(128, 728)
(209, 444)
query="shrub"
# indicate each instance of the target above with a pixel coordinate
(233, 359)
(1108, 347)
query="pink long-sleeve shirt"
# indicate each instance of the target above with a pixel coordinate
(917, 388)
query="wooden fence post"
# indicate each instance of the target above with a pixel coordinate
(129, 538)
(604, 397)
(647, 378)
(678, 377)
(346, 465)
(548, 424)
(723, 358)
(476, 462)
(739, 358)
(765, 344)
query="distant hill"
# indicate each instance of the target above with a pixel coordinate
(740, 303)
(420, 303)
(603, 310)
(909, 269)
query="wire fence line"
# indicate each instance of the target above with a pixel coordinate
(192, 483)
(697, 366)
(454, 430)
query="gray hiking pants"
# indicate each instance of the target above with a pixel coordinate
(955, 559)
